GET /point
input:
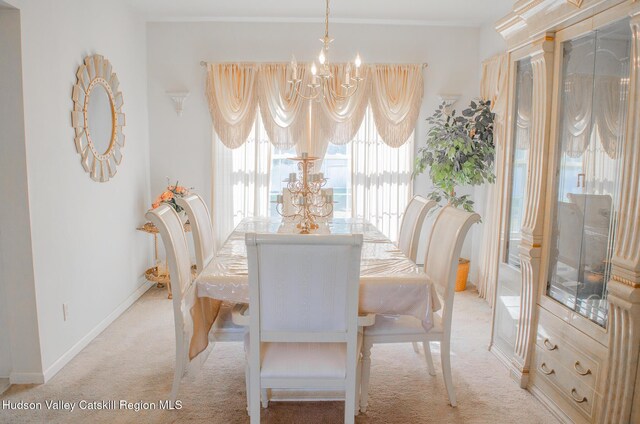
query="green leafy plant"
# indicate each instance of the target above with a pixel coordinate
(459, 151)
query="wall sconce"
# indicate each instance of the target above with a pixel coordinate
(178, 98)
(448, 100)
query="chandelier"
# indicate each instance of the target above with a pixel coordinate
(321, 75)
(307, 201)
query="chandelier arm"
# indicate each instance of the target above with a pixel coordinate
(346, 96)
(305, 97)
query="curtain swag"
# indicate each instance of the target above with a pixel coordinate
(234, 92)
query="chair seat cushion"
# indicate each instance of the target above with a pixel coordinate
(398, 325)
(302, 360)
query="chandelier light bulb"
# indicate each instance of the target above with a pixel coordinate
(358, 61)
(314, 70)
(322, 58)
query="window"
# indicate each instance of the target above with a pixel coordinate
(335, 167)
(370, 180)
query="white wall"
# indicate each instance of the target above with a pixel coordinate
(180, 146)
(86, 250)
(490, 42)
(19, 327)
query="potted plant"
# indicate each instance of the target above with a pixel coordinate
(459, 152)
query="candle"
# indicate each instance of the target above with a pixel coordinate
(305, 155)
(292, 177)
(358, 62)
(320, 176)
(329, 198)
(280, 199)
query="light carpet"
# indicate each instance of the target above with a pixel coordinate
(133, 360)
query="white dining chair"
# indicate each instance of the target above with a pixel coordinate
(304, 330)
(409, 235)
(441, 263)
(173, 237)
(411, 226)
(224, 330)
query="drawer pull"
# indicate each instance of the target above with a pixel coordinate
(580, 369)
(576, 397)
(549, 345)
(545, 372)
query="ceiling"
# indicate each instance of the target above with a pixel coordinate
(407, 12)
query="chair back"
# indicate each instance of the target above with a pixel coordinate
(173, 237)
(411, 226)
(201, 228)
(303, 288)
(443, 251)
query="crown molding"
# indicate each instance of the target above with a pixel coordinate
(531, 18)
(300, 20)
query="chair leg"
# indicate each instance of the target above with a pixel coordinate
(254, 397)
(177, 376)
(178, 373)
(265, 398)
(416, 349)
(358, 384)
(427, 355)
(247, 382)
(366, 371)
(350, 394)
(445, 357)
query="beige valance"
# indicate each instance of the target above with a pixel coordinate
(396, 97)
(235, 91)
(231, 92)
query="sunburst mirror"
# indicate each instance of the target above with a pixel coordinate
(97, 118)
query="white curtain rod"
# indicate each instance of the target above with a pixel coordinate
(203, 63)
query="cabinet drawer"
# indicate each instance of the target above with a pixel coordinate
(563, 386)
(576, 352)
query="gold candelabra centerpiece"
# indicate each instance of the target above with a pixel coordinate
(308, 201)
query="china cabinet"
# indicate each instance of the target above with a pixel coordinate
(567, 306)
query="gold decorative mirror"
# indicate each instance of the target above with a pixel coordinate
(97, 118)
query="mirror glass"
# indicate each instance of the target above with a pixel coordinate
(100, 119)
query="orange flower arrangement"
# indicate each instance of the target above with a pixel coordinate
(169, 196)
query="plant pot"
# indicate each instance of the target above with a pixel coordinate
(463, 274)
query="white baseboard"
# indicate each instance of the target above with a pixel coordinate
(4, 385)
(82, 343)
(26, 378)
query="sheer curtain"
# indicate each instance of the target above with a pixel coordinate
(380, 177)
(493, 86)
(240, 181)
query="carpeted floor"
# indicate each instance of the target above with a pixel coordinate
(133, 359)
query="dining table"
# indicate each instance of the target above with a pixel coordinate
(390, 283)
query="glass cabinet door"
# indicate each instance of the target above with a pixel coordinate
(509, 278)
(595, 78)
